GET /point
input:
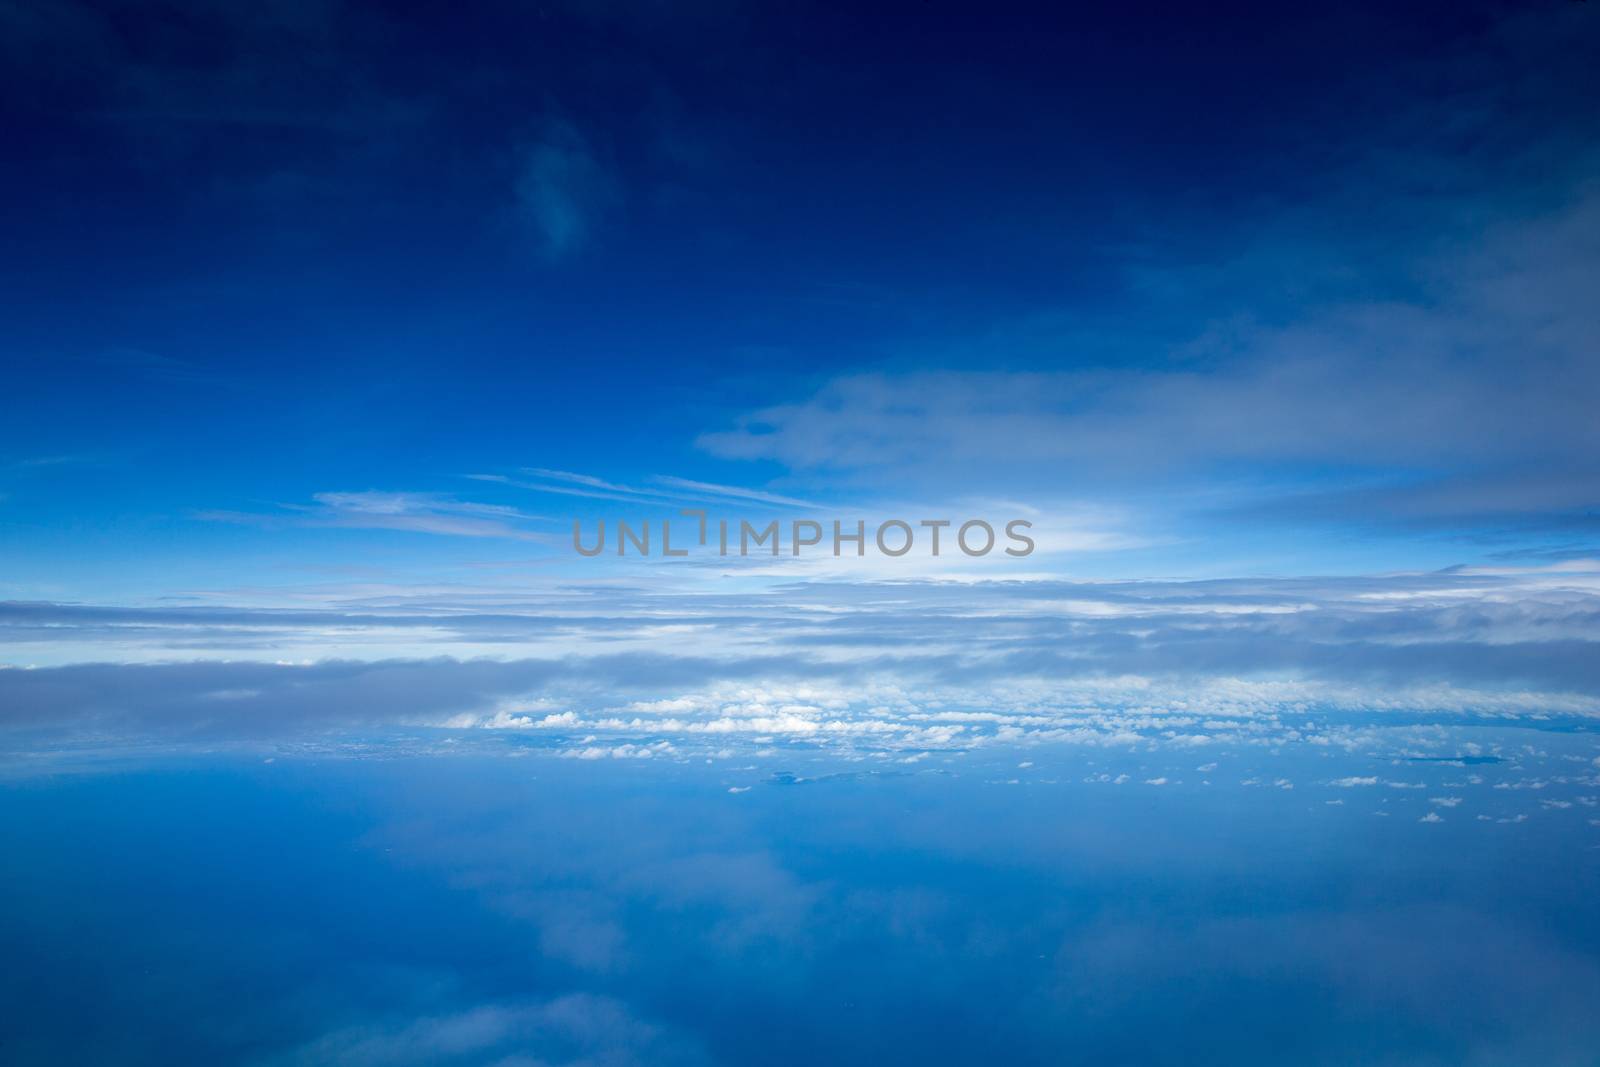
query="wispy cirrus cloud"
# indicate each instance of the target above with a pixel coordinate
(430, 513)
(673, 489)
(735, 492)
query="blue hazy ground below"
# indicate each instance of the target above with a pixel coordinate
(991, 908)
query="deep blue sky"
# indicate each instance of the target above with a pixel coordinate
(1209, 268)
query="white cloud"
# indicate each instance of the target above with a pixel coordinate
(430, 513)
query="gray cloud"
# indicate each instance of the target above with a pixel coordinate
(1486, 381)
(819, 659)
(1410, 325)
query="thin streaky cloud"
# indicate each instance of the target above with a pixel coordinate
(382, 503)
(735, 492)
(581, 479)
(372, 510)
(568, 490)
(677, 490)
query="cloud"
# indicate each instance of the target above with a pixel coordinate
(372, 510)
(1395, 351)
(1496, 641)
(579, 1028)
(881, 707)
(1429, 399)
(678, 490)
(735, 492)
(563, 192)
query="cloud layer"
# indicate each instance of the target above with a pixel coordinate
(886, 664)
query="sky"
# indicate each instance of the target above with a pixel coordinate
(352, 314)
(480, 910)
(1313, 300)
(324, 325)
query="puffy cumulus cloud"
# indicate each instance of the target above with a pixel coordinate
(624, 751)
